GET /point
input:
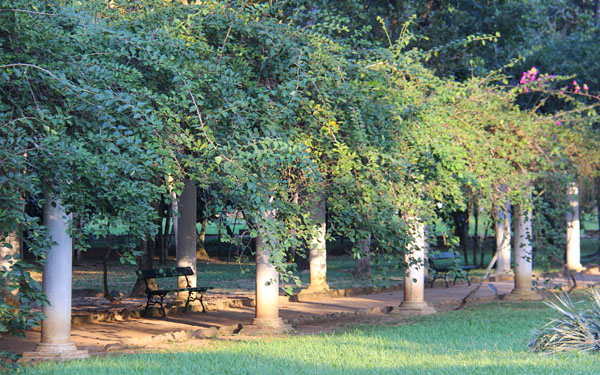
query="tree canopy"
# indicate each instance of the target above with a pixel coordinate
(110, 106)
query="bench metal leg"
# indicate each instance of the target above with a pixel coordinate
(147, 305)
(466, 277)
(187, 303)
(164, 313)
(190, 299)
(202, 303)
(438, 276)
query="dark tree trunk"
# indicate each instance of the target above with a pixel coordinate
(146, 261)
(105, 266)
(76, 249)
(477, 245)
(166, 239)
(158, 248)
(201, 250)
(461, 225)
(362, 267)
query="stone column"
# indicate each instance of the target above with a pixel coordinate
(317, 250)
(503, 237)
(523, 255)
(414, 276)
(573, 229)
(56, 285)
(267, 320)
(186, 235)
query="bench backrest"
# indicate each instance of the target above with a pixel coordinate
(164, 272)
(444, 260)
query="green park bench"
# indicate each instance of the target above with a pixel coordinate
(156, 296)
(444, 262)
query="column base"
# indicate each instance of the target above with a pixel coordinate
(312, 289)
(502, 276)
(260, 326)
(523, 294)
(576, 267)
(420, 308)
(58, 352)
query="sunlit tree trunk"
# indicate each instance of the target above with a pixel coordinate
(573, 229)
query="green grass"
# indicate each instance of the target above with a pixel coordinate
(480, 340)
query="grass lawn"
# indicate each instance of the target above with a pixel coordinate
(485, 339)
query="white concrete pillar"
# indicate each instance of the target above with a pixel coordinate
(414, 276)
(523, 251)
(503, 237)
(573, 229)
(317, 250)
(267, 283)
(267, 318)
(56, 285)
(186, 235)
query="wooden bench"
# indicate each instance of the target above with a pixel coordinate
(156, 296)
(443, 263)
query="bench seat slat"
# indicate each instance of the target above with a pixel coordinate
(165, 272)
(165, 291)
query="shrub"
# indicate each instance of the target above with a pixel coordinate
(574, 330)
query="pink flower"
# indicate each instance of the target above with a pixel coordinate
(523, 79)
(585, 87)
(559, 123)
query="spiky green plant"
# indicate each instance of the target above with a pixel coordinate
(574, 330)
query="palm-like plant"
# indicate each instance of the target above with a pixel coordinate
(574, 330)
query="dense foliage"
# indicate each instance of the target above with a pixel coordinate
(110, 106)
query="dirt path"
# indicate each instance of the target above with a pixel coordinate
(315, 316)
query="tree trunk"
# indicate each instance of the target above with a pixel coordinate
(362, 267)
(105, 267)
(166, 240)
(146, 261)
(201, 253)
(477, 244)
(461, 224)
